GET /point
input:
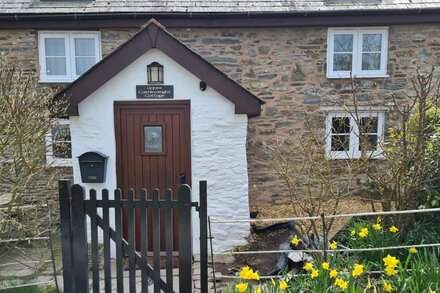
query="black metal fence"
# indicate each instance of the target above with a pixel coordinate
(74, 210)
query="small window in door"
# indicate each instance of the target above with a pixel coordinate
(153, 139)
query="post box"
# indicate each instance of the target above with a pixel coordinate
(93, 167)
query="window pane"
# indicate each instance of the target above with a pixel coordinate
(85, 47)
(342, 62)
(341, 125)
(340, 143)
(83, 64)
(55, 47)
(61, 145)
(153, 139)
(369, 124)
(55, 65)
(371, 61)
(343, 43)
(371, 42)
(369, 141)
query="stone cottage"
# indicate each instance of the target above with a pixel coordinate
(194, 94)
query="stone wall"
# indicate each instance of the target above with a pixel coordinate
(286, 67)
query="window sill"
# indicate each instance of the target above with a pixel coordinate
(54, 163)
(345, 156)
(64, 81)
(357, 76)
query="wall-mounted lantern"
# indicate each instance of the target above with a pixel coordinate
(92, 166)
(155, 73)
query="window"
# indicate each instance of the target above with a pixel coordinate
(361, 52)
(347, 135)
(66, 56)
(59, 144)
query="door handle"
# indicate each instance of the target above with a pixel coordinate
(182, 178)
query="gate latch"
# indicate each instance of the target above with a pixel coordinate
(196, 205)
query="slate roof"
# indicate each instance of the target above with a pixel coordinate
(204, 6)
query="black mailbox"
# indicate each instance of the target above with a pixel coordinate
(92, 166)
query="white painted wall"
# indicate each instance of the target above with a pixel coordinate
(218, 138)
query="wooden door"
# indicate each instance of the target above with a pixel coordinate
(153, 151)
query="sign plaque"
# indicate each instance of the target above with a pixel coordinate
(154, 92)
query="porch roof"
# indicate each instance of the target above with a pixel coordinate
(154, 35)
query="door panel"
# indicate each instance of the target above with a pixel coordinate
(152, 151)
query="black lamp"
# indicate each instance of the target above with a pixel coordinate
(155, 73)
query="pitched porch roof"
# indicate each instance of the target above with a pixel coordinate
(154, 35)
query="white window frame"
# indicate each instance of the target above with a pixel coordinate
(357, 52)
(353, 152)
(51, 160)
(69, 39)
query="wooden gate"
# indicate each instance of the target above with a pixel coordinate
(75, 209)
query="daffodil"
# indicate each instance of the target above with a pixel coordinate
(390, 271)
(258, 290)
(334, 245)
(314, 274)
(295, 240)
(377, 227)
(325, 265)
(357, 270)
(308, 266)
(390, 261)
(387, 286)
(378, 220)
(394, 229)
(369, 284)
(341, 283)
(353, 232)
(273, 282)
(333, 273)
(413, 250)
(363, 233)
(241, 287)
(283, 285)
(247, 273)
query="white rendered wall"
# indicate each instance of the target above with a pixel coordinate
(218, 142)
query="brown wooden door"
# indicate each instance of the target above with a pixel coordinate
(152, 151)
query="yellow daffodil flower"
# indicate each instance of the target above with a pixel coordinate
(390, 261)
(413, 250)
(333, 273)
(390, 271)
(357, 270)
(394, 229)
(295, 240)
(273, 282)
(258, 290)
(314, 274)
(334, 245)
(387, 286)
(325, 265)
(363, 233)
(247, 273)
(378, 220)
(377, 227)
(341, 283)
(283, 285)
(241, 287)
(353, 232)
(308, 266)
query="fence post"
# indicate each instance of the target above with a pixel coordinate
(203, 214)
(185, 239)
(65, 226)
(79, 240)
(325, 237)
